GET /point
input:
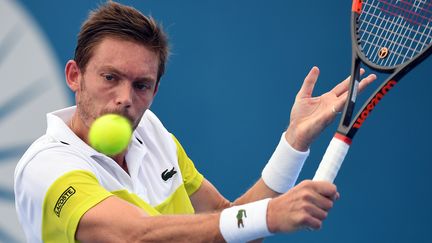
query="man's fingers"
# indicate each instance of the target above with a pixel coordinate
(320, 193)
(321, 202)
(343, 86)
(304, 206)
(313, 217)
(325, 189)
(341, 102)
(317, 210)
(312, 224)
(309, 83)
(319, 213)
(363, 84)
(366, 81)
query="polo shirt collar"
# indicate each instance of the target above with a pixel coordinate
(57, 127)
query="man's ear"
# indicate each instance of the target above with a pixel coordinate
(72, 74)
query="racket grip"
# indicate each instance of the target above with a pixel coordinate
(332, 159)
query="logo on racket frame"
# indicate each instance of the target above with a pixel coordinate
(374, 101)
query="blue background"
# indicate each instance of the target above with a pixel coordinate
(231, 80)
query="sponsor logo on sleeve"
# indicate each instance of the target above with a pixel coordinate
(63, 199)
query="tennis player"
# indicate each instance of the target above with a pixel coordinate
(66, 191)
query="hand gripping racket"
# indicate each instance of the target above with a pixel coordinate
(389, 36)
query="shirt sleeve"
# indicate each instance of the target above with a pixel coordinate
(66, 201)
(36, 182)
(192, 179)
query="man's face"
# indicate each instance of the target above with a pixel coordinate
(120, 77)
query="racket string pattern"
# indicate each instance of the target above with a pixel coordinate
(390, 32)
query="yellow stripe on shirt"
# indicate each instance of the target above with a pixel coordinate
(192, 179)
(66, 201)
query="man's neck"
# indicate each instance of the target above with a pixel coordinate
(81, 130)
(120, 159)
(78, 127)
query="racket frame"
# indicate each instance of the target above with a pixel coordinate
(341, 142)
(348, 126)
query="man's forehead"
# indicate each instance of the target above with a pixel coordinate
(114, 45)
(124, 55)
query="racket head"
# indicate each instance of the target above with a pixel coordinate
(387, 34)
(390, 36)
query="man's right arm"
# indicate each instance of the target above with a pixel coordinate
(115, 220)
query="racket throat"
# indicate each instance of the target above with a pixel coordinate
(352, 95)
(372, 102)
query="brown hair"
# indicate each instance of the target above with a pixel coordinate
(116, 20)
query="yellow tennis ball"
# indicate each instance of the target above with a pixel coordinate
(110, 134)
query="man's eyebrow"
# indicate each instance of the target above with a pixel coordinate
(145, 79)
(110, 68)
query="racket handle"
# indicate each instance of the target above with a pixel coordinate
(332, 159)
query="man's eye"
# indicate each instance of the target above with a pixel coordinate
(142, 86)
(109, 77)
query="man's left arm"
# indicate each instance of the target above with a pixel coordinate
(309, 117)
(207, 198)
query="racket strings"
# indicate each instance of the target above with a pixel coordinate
(412, 11)
(392, 32)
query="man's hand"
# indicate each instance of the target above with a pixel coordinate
(304, 206)
(310, 115)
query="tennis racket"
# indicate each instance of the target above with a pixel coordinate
(388, 36)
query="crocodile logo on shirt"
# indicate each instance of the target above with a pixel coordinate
(63, 199)
(168, 174)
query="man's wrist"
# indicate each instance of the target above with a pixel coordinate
(245, 222)
(271, 225)
(294, 141)
(284, 166)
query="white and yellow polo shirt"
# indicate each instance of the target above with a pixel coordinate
(60, 177)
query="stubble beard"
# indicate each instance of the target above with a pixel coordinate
(87, 110)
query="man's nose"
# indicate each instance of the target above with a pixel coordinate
(124, 94)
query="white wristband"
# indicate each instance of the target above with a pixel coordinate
(245, 222)
(283, 168)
